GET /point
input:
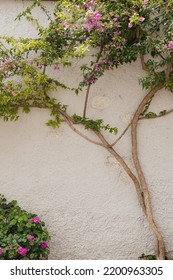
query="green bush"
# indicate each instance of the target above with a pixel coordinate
(23, 235)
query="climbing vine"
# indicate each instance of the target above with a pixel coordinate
(117, 32)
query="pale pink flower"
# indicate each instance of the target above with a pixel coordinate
(170, 45)
(90, 4)
(40, 65)
(13, 93)
(93, 20)
(117, 32)
(130, 25)
(31, 237)
(142, 19)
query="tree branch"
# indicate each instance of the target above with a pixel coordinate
(168, 70)
(140, 173)
(123, 133)
(81, 134)
(140, 118)
(89, 86)
(109, 148)
(144, 66)
(157, 116)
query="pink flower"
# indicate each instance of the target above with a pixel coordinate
(31, 237)
(36, 220)
(90, 4)
(1, 251)
(130, 25)
(44, 245)
(93, 20)
(40, 65)
(170, 45)
(117, 32)
(22, 251)
(56, 68)
(89, 26)
(142, 19)
(13, 93)
(98, 67)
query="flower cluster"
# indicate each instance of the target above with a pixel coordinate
(135, 19)
(8, 66)
(170, 46)
(93, 20)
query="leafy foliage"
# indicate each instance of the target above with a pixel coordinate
(23, 235)
(110, 33)
(119, 31)
(95, 125)
(147, 257)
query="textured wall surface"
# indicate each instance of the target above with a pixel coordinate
(77, 188)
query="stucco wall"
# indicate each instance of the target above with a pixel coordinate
(83, 195)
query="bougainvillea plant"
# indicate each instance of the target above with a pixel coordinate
(23, 235)
(118, 32)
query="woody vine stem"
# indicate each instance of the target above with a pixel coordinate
(140, 183)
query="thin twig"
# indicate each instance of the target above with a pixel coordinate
(123, 133)
(89, 86)
(168, 70)
(86, 100)
(144, 66)
(81, 134)
(112, 151)
(67, 118)
(140, 118)
(157, 116)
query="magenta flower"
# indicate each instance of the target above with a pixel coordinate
(31, 237)
(130, 25)
(36, 220)
(170, 45)
(44, 245)
(142, 19)
(1, 251)
(22, 251)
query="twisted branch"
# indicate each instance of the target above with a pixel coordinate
(149, 214)
(112, 151)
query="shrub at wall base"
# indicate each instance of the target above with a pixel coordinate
(23, 235)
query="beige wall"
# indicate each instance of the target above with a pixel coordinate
(83, 195)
